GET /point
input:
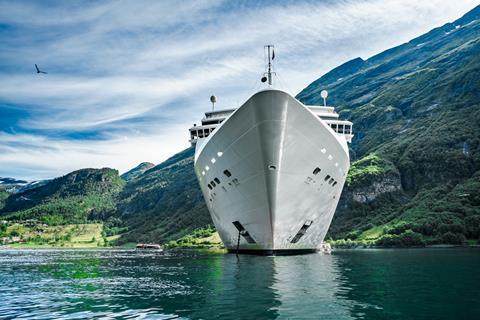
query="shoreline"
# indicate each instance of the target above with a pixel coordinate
(223, 250)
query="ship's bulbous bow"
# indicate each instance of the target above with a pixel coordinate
(272, 175)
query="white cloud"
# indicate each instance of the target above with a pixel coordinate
(113, 62)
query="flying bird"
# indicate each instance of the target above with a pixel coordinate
(38, 70)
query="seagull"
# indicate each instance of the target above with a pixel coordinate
(38, 70)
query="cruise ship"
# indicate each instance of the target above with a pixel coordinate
(272, 170)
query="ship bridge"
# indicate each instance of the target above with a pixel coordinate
(329, 115)
(213, 118)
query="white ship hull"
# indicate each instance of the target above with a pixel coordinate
(271, 147)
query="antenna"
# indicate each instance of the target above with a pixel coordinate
(271, 56)
(213, 99)
(324, 95)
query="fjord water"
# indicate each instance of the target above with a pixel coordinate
(354, 284)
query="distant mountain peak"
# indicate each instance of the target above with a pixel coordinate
(137, 171)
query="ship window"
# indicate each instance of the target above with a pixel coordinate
(272, 167)
(216, 180)
(331, 181)
(212, 183)
(227, 173)
(235, 182)
(340, 128)
(316, 171)
(348, 129)
(334, 127)
(209, 186)
(327, 177)
(335, 183)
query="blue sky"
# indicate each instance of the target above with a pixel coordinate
(126, 79)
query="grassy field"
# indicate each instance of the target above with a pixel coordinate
(200, 238)
(65, 236)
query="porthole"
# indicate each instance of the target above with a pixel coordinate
(272, 167)
(316, 171)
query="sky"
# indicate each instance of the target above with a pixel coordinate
(126, 79)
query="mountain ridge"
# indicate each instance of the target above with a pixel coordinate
(415, 172)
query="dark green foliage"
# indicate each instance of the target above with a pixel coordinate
(114, 226)
(453, 238)
(405, 239)
(366, 170)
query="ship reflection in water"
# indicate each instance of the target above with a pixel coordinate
(366, 284)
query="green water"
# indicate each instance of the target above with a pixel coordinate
(361, 284)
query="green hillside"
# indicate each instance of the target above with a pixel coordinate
(164, 203)
(416, 110)
(74, 198)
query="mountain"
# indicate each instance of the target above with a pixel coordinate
(164, 203)
(416, 110)
(415, 173)
(138, 170)
(74, 198)
(32, 185)
(11, 184)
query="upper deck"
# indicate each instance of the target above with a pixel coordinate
(213, 118)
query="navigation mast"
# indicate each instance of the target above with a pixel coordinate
(271, 56)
